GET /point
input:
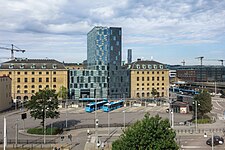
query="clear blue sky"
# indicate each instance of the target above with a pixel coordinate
(169, 31)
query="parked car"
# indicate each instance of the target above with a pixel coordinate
(217, 140)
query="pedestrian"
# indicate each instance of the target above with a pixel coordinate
(102, 146)
(88, 132)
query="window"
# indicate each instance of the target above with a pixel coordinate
(18, 86)
(162, 78)
(54, 72)
(147, 78)
(54, 66)
(40, 72)
(147, 84)
(47, 72)
(143, 72)
(25, 91)
(54, 79)
(153, 84)
(33, 66)
(137, 78)
(40, 86)
(143, 84)
(138, 66)
(54, 86)
(33, 91)
(43, 66)
(153, 78)
(11, 66)
(25, 72)
(47, 86)
(25, 79)
(32, 86)
(32, 80)
(10, 72)
(152, 72)
(157, 78)
(147, 72)
(40, 79)
(138, 89)
(143, 78)
(32, 73)
(137, 84)
(157, 84)
(18, 80)
(163, 72)
(157, 72)
(47, 79)
(18, 73)
(137, 72)
(162, 83)
(162, 88)
(25, 86)
(18, 91)
(21, 66)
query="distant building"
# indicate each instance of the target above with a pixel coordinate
(199, 73)
(5, 93)
(31, 75)
(148, 75)
(129, 56)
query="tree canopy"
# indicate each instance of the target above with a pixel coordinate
(204, 102)
(44, 104)
(151, 133)
(63, 93)
(154, 92)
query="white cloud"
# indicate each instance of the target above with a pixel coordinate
(65, 23)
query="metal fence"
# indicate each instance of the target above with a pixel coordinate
(28, 141)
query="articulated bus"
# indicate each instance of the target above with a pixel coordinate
(112, 105)
(91, 107)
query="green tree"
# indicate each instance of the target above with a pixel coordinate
(154, 92)
(151, 133)
(204, 103)
(44, 104)
(63, 93)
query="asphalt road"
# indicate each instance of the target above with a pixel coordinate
(78, 116)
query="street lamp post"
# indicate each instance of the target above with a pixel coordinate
(108, 123)
(124, 119)
(66, 112)
(196, 114)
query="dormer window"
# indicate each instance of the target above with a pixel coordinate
(54, 66)
(129, 66)
(143, 67)
(149, 66)
(161, 66)
(138, 66)
(11, 66)
(155, 66)
(43, 66)
(22, 66)
(33, 66)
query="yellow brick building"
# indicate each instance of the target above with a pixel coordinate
(5, 93)
(146, 75)
(30, 75)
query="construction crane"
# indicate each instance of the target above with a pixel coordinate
(183, 62)
(221, 60)
(200, 59)
(13, 49)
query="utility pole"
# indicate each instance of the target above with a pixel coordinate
(5, 136)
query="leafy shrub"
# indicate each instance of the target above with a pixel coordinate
(40, 131)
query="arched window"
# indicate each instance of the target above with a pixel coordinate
(143, 94)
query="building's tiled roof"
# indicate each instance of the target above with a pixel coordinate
(146, 64)
(32, 64)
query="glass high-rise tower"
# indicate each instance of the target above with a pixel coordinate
(104, 46)
(104, 51)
